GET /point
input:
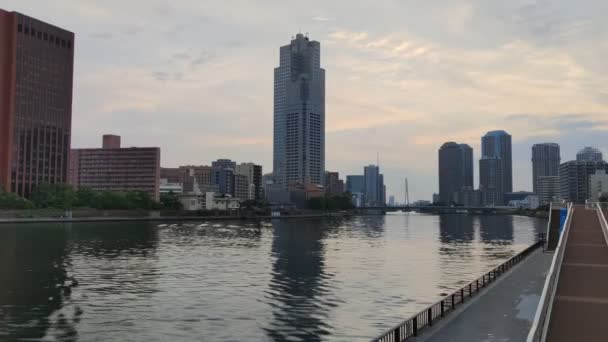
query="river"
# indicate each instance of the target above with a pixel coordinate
(326, 279)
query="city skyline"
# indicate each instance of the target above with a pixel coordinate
(196, 94)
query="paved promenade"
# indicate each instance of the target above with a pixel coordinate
(504, 312)
(580, 307)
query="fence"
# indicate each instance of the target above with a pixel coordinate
(429, 316)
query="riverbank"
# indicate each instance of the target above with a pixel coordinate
(135, 216)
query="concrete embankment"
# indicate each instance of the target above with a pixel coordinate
(125, 216)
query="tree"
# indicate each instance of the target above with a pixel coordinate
(86, 197)
(13, 201)
(107, 200)
(170, 201)
(60, 196)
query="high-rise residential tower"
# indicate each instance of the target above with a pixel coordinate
(36, 76)
(495, 167)
(545, 162)
(299, 114)
(455, 170)
(374, 188)
(589, 154)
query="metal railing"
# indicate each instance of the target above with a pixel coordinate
(429, 316)
(539, 327)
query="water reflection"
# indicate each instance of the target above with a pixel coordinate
(299, 284)
(34, 283)
(496, 229)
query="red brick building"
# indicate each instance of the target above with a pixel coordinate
(112, 168)
(36, 76)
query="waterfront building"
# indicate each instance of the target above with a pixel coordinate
(455, 170)
(116, 169)
(167, 187)
(374, 189)
(545, 162)
(391, 201)
(574, 179)
(469, 197)
(224, 164)
(517, 196)
(299, 114)
(548, 189)
(589, 154)
(529, 202)
(333, 184)
(36, 78)
(495, 167)
(436, 199)
(242, 187)
(598, 185)
(253, 173)
(355, 184)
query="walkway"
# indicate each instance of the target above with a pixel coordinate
(580, 307)
(504, 312)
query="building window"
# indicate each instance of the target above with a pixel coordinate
(69, 44)
(19, 28)
(26, 30)
(63, 43)
(39, 35)
(45, 36)
(33, 31)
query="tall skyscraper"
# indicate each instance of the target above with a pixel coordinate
(589, 154)
(36, 76)
(545, 162)
(299, 114)
(495, 167)
(375, 191)
(455, 170)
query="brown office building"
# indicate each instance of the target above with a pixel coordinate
(36, 72)
(112, 168)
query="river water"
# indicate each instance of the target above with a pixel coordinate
(346, 279)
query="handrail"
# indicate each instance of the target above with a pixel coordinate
(602, 217)
(539, 327)
(427, 317)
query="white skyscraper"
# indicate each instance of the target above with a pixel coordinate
(299, 114)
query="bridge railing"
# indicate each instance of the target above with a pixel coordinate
(429, 316)
(539, 327)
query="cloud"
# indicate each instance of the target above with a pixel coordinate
(102, 35)
(322, 18)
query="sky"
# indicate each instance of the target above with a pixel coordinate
(402, 77)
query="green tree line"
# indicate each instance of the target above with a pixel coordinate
(331, 202)
(64, 196)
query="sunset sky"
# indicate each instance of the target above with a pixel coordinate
(403, 77)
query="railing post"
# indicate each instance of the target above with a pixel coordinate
(462, 295)
(415, 326)
(470, 291)
(477, 284)
(430, 316)
(397, 334)
(452, 301)
(442, 308)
